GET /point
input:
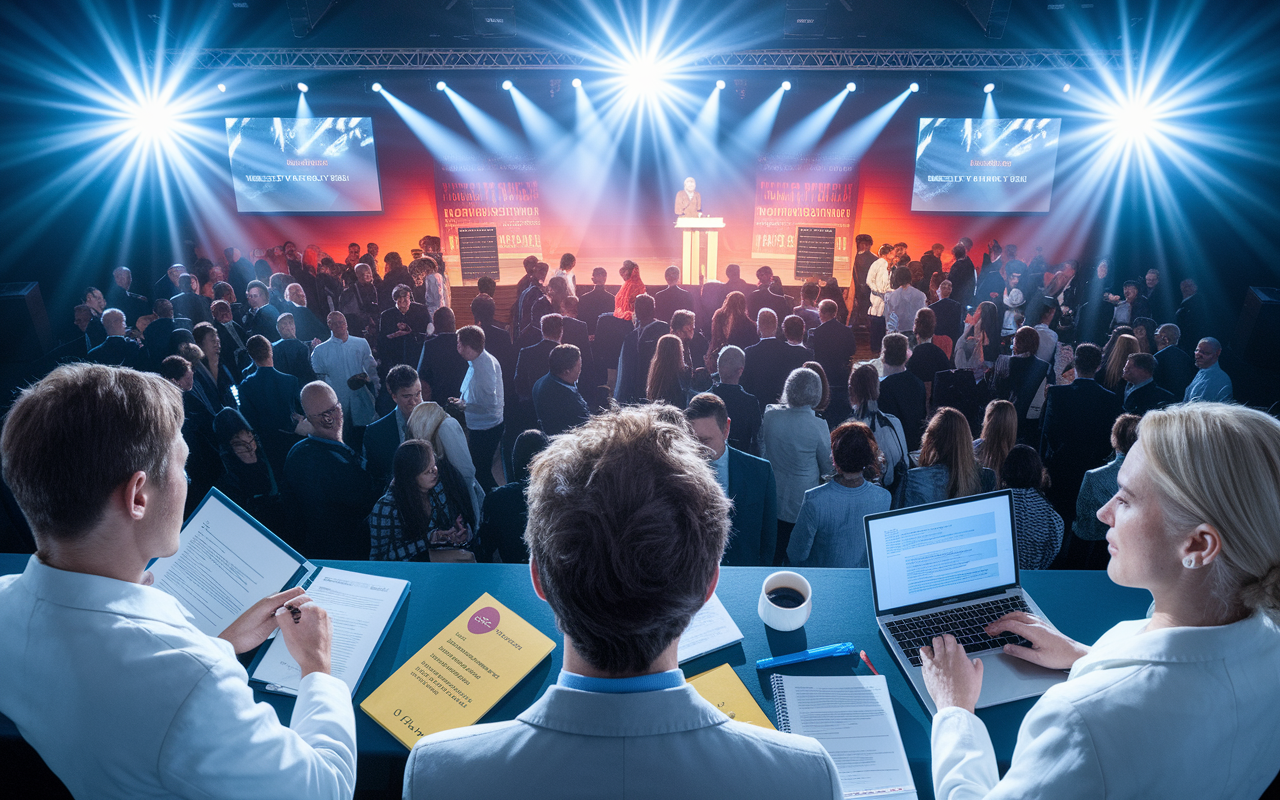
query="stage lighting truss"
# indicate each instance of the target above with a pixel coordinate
(526, 58)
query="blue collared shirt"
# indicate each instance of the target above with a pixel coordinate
(1210, 385)
(721, 466)
(641, 683)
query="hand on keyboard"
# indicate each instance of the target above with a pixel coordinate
(1045, 646)
(950, 676)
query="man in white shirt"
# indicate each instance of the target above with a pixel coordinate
(481, 403)
(342, 361)
(108, 678)
(878, 284)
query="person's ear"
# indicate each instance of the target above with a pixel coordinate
(537, 581)
(728, 423)
(133, 495)
(715, 581)
(1202, 546)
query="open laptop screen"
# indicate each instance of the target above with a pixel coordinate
(942, 550)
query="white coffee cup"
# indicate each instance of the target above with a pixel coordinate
(785, 619)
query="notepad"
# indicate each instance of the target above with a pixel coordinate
(852, 716)
(710, 629)
(460, 674)
(722, 688)
(227, 561)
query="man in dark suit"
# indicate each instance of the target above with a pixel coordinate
(497, 340)
(1143, 394)
(1075, 433)
(261, 317)
(96, 303)
(534, 360)
(834, 346)
(234, 340)
(901, 393)
(239, 270)
(383, 437)
(637, 351)
(157, 335)
(930, 263)
(746, 480)
(401, 329)
(673, 298)
(1192, 316)
(269, 402)
(1175, 369)
(597, 301)
(963, 276)
(187, 303)
(743, 407)
(167, 285)
(577, 334)
(119, 296)
(441, 368)
(556, 400)
(292, 357)
(763, 295)
(770, 361)
(606, 345)
(1018, 380)
(948, 314)
(117, 350)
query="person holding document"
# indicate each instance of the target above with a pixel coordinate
(1180, 705)
(627, 524)
(108, 678)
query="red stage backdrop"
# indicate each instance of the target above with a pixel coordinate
(803, 191)
(502, 193)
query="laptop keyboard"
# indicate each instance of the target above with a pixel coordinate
(966, 623)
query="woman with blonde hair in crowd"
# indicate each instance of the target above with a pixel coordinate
(666, 374)
(999, 435)
(947, 467)
(1113, 377)
(1181, 704)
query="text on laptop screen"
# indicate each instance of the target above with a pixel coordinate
(928, 554)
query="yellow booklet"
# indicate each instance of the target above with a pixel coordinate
(722, 688)
(460, 674)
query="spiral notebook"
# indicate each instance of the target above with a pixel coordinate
(852, 716)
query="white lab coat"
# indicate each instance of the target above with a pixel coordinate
(336, 361)
(124, 698)
(1171, 713)
(878, 283)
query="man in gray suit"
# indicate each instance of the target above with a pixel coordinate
(626, 528)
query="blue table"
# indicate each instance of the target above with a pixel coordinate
(1082, 604)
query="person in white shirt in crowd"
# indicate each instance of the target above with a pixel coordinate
(107, 677)
(1179, 705)
(902, 302)
(567, 262)
(878, 284)
(481, 403)
(346, 363)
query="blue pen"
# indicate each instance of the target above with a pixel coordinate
(842, 649)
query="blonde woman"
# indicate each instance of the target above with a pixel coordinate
(1180, 705)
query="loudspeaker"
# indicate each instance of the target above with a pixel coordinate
(24, 325)
(1259, 321)
(804, 19)
(992, 15)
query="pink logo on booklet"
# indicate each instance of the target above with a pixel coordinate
(484, 620)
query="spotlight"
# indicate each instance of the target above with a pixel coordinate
(440, 86)
(1133, 121)
(151, 120)
(577, 83)
(377, 87)
(786, 86)
(506, 86)
(1066, 87)
(644, 76)
(302, 87)
(719, 84)
(989, 88)
(851, 87)
(915, 87)
(222, 87)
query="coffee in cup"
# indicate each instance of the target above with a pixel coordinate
(786, 600)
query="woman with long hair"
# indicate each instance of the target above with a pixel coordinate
(864, 399)
(426, 514)
(981, 337)
(431, 423)
(1144, 330)
(211, 372)
(821, 407)
(1037, 524)
(624, 304)
(730, 325)
(999, 435)
(666, 373)
(1125, 346)
(947, 467)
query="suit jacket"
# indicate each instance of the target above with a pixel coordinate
(163, 287)
(118, 351)
(1147, 397)
(234, 354)
(194, 307)
(594, 303)
(293, 357)
(502, 522)
(1175, 370)
(745, 415)
(1075, 436)
(497, 341)
(765, 297)
(133, 305)
(950, 318)
(576, 334)
(633, 361)
(687, 206)
(668, 743)
(902, 395)
(754, 518)
(532, 364)
(156, 338)
(262, 322)
(269, 399)
(610, 331)
(559, 407)
(442, 367)
(331, 494)
(1020, 384)
(670, 300)
(834, 346)
(381, 440)
(769, 362)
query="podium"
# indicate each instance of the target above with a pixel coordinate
(693, 271)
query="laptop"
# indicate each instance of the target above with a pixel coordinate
(952, 567)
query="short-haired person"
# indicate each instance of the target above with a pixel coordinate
(556, 400)
(878, 285)
(597, 301)
(947, 467)
(159, 708)
(927, 358)
(746, 480)
(1178, 705)
(808, 308)
(828, 531)
(834, 345)
(770, 361)
(482, 402)
(382, 437)
(292, 356)
(1141, 394)
(117, 350)
(1210, 384)
(567, 262)
(269, 400)
(673, 298)
(346, 363)
(1087, 549)
(902, 394)
(1175, 368)
(626, 530)
(741, 404)
(797, 444)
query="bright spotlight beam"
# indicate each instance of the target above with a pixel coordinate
(377, 87)
(577, 83)
(786, 86)
(441, 86)
(989, 88)
(719, 84)
(914, 87)
(302, 87)
(506, 86)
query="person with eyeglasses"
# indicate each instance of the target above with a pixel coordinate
(247, 477)
(326, 486)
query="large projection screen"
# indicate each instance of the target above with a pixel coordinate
(989, 166)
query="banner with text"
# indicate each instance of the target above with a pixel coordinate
(809, 191)
(490, 192)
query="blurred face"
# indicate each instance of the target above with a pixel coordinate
(297, 296)
(245, 447)
(353, 250)
(1103, 269)
(408, 398)
(82, 318)
(211, 344)
(365, 275)
(689, 184)
(686, 332)
(1143, 553)
(572, 374)
(96, 301)
(429, 477)
(1152, 279)
(257, 297)
(1205, 355)
(235, 254)
(710, 436)
(1130, 292)
(1130, 372)
(187, 381)
(338, 324)
(467, 352)
(222, 314)
(288, 328)
(373, 250)
(402, 303)
(290, 250)
(124, 278)
(326, 416)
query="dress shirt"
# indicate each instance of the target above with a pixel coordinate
(721, 466)
(900, 307)
(482, 393)
(1124, 725)
(124, 697)
(336, 361)
(878, 283)
(640, 683)
(1210, 385)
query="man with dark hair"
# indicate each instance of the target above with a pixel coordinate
(233, 339)
(834, 346)
(441, 369)
(117, 350)
(532, 294)
(1141, 394)
(187, 302)
(927, 359)
(1087, 548)
(158, 335)
(497, 342)
(370, 256)
(747, 481)
(1174, 368)
(597, 301)
(261, 317)
(401, 329)
(948, 314)
(291, 356)
(901, 394)
(533, 361)
(326, 487)
(558, 404)
(1192, 315)
(96, 304)
(576, 334)
(862, 261)
(770, 361)
(962, 275)
(930, 264)
(239, 270)
(673, 298)
(759, 297)
(552, 302)
(486, 285)
(481, 401)
(626, 530)
(637, 351)
(382, 437)
(808, 308)
(1075, 429)
(270, 404)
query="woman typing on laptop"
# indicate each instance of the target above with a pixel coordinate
(1181, 705)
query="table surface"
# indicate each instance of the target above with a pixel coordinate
(1082, 605)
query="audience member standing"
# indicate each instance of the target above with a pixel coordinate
(864, 399)
(1211, 384)
(168, 284)
(1175, 369)
(233, 340)
(828, 531)
(482, 402)
(1192, 315)
(506, 513)
(902, 302)
(834, 346)
(189, 303)
(902, 394)
(119, 296)
(666, 380)
(927, 358)
(309, 325)
(741, 405)
(567, 262)
(347, 365)
(401, 329)
(597, 301)
(770, 361)
(292, 357)
(1123, 347)
(1141, 394)
(117, 350)
(261, 317)
(962, 276)
(632, 287)
(637, 352)
(382, 437)
(808, 308)
(730, 325)
(999, 435)
(269, 400)
(1019, 378)
(203, 464)
(1038, 527)
(798, 446)
(441, 368)
(248, 477)
(949, 313)
(673, 298)
(556, 400)
(747, 481)
(533, 361)
(947, 467)
(878, 285)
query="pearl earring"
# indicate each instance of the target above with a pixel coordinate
(1189, 562)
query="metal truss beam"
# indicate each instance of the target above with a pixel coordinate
(355, 59)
